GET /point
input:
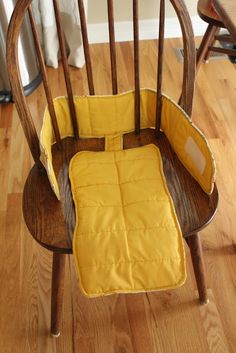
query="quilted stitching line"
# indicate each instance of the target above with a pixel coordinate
(125, 182)
(125, 204)
(112, 152)
(123, 213)
(116, 264)
(128, 230)
(108, 162)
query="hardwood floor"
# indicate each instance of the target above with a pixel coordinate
(165, 322)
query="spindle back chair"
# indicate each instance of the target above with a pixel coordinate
(208, 14)
(51, 222)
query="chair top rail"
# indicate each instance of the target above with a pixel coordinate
(189, 67)
(15, 78)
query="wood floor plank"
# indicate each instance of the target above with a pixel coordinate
(10, 273)
(142, 339)
(213, 327)
(5, 136)
(175, 319)
(6, 113)
(92, 321)
(19, 157)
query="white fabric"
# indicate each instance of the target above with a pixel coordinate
(45, 19)
(195, 154)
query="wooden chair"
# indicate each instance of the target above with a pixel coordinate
(209, 15)
(51, 222)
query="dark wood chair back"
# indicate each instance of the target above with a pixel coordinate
(24, 6)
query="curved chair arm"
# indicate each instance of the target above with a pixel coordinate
(189, 68)
(15, 80)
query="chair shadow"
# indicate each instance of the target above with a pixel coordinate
(223, 250)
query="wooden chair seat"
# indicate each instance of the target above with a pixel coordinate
(210, 16)
(52, 222)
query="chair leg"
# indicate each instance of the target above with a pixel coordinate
(207, 40)
(211, 42)
(58, 274)
(194, 243)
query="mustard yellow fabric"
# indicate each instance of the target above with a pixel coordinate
(127, 237)
(110, 116)
(114, 142)
(189, 144)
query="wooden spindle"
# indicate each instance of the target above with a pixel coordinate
(136, 66)
(112, 46)
(86, 47)
(44, 77)
(160, 65)
(66, 69)
(189, 66)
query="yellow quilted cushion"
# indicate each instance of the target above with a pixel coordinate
(127, 237)
(112, 116)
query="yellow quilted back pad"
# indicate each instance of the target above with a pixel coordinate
(106, 116)
(127, 237)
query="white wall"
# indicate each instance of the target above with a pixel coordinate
(148, 9)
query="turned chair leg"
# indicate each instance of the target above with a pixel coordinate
(194, 243)
(212, 41)
(207, 40)
(58, 274)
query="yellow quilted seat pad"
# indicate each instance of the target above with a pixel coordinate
(127, 237)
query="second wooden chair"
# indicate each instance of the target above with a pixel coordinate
(208, 14)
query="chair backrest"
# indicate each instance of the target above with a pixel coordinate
(21, 9)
